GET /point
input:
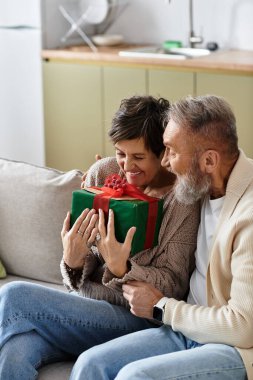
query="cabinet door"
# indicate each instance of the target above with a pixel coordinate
(171, 85)
(73, 121)
(119, 83)
(238, 91)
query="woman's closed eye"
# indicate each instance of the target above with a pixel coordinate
(139, 157)
(135, 157)
(120, 154)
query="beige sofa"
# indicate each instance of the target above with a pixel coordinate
(33, 204)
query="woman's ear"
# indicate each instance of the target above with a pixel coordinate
(209, 161)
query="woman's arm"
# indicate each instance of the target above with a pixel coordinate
(167, 266)
(73, 277)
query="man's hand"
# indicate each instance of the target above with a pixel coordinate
(141, 297)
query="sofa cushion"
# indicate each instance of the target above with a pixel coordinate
(33, 204)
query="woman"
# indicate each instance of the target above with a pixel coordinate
(63, 325)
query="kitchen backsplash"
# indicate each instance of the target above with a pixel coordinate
(227, 22)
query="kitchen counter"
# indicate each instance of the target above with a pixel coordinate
(221, 61)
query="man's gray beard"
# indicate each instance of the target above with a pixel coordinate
(192, 186)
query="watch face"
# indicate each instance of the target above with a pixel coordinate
(158, 313)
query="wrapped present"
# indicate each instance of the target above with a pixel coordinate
(131, 208)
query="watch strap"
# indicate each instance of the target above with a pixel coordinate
(158, 309)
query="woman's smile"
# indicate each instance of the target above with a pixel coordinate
(140, 165)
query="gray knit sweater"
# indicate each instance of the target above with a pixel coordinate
(167, 266)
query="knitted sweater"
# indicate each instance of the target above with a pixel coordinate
(167, 266)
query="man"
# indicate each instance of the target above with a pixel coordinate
(210, 335)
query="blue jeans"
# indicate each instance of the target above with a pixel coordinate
(39, 325)
(159, 354)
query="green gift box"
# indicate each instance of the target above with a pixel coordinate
(128, 212)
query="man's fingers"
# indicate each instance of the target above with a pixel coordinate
(129, 289)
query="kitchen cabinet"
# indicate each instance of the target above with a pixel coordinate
(238, 91)
(82, 91)
(73, 114)
(119, 83)
(170, 84)
(79, 102)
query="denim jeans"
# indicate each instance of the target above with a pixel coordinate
(159, 354)
(39, 325)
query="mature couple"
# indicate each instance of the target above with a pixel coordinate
(153, 315)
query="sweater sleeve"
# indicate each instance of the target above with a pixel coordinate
(228, 318)
(100, 170)
(167, 266)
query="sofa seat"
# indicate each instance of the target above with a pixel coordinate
(11, 278)
(33, 204)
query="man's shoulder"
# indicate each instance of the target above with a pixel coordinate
(241, 176)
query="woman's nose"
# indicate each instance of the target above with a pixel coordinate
(128, 164)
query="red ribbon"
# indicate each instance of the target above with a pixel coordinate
(116, 187)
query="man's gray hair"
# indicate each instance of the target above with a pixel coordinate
(210, 120)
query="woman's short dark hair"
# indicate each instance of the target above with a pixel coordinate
(141, 116)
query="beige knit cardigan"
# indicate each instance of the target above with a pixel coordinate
(228, 318)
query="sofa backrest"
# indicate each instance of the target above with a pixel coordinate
(33, 204)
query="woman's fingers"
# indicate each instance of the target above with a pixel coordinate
(89, 228)
(110, 225)
(92, 237)
(66, 225)
(83, 220)
(79, 220)
(101, 223)
(129, 238)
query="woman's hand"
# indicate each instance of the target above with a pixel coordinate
(78, 240)
(114, 253)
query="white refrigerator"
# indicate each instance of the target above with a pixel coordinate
(21, 99)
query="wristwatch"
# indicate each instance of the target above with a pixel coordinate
(159, 308)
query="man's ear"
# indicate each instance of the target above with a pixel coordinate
(209, 161)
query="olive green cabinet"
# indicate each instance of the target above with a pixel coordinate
(73, 114)
(80, 100)
(238, 91)
(119, 83)
(172, 85)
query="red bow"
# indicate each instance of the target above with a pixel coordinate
(116, 187)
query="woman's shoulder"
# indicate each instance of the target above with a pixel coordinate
(100, 170)
(171, 203)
